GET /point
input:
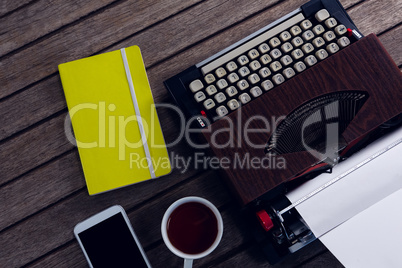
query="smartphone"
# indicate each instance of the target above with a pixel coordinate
(108, 240)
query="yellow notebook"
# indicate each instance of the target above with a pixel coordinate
(116, 127)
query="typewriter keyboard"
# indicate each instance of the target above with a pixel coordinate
(268, 60)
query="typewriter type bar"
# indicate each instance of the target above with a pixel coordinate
(263, 60)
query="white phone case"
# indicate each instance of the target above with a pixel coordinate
(100, 217)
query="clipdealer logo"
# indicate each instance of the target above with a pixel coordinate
(202, 161)
(113, 130)
(109, 130)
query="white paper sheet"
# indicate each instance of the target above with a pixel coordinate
(372, 238)
(359, 218)
(354, 193)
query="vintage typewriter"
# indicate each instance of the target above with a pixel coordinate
(308, 71)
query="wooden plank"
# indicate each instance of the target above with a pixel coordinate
(45, 201)
(326, 259)
(348, 3)
(61, 177)
(159, 89)
(392, 41)
(8, 6)
(30, 157)
(30, 106)
(48, 140)
(252, 257)
(78, 41)
(158, 77)
(160, 255)
(112, 25)
(375, 17)
(233, 237)
(40, 188)
(215, 43)
(9, 166)
(316, 248)
(66, 257)
(72, 256)
(17, 143)
(148, 228)
(217, 19)
(30, 20)
(33, 148)
(53, 227)
(46, 98)
(42, 100)
(157, 74)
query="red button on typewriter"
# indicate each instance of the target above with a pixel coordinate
(265, 220)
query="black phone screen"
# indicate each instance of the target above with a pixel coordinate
(111, 244)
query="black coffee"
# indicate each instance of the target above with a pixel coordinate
(192, 228)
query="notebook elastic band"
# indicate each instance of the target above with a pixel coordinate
(137, 112)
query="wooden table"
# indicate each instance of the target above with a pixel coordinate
(42, 188)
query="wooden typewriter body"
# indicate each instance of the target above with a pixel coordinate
(364, 66)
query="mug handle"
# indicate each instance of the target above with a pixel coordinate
(188, 263)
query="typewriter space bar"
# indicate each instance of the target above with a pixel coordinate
(252, 43)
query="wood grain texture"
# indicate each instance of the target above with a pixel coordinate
(46, 98)
(159, 255)
(62, 49)
(69, 255)
(57, 179)
(42, 188)
(33, 102)
(9, 166)
(81, 40)
(31, 22)
(392, 44)
(315, 250)
(251, 257)
(375, 16)
(8, 6)
(169, 125)
(31, 106)
(31, 149)
(246, 258)
(31, 246)
(324, 260)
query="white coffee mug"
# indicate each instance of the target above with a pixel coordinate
(188, 258)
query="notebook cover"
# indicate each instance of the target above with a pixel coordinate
(105, 124)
